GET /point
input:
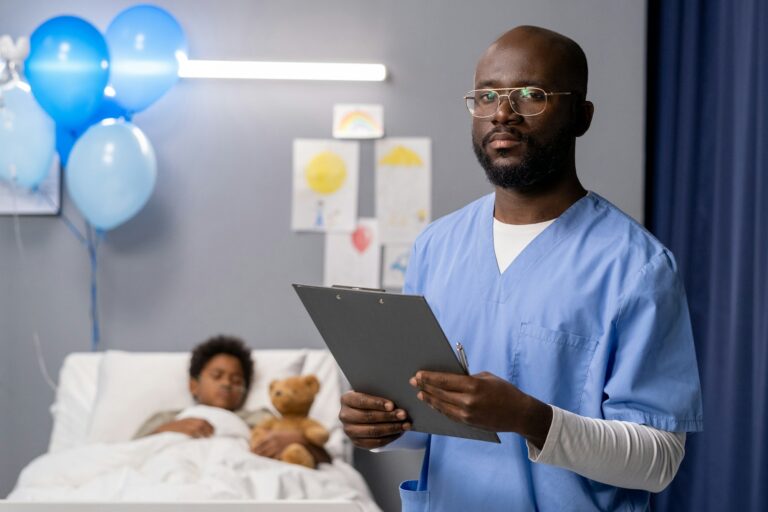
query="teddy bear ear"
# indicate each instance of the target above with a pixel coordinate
(312, 382)
(272, 385)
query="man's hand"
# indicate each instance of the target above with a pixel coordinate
(485, 401)
(193, 427)
(371, 421)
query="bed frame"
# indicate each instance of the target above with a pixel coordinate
(199, 506)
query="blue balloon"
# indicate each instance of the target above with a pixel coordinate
(65, 139)
(66, 136)
(145, 43)
(68, 68)
(111, 173)
(27, 137)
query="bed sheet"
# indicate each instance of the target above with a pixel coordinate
(174, 467)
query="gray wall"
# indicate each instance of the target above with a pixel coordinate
(212, 251)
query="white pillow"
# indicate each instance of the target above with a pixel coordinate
(134, 386)
(269, 365)
(75, 395)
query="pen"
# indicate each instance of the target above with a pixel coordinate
(462, 357)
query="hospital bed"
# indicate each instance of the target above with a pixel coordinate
(105, 397)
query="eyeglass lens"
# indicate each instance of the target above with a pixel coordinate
(526, 101)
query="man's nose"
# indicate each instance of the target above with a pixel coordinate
(504, 114)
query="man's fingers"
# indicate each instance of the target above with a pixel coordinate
(375, 430)
(350, 415)
(452, 411)
(446, 381)
(452, 397)
(357, 400)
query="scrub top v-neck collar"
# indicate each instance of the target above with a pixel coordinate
(498, 285)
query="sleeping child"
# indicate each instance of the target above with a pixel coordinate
(220, 374)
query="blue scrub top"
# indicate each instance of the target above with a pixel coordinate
(591, 317)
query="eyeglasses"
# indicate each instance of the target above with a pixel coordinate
(525, 101)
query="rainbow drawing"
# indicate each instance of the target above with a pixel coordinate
(358, 121)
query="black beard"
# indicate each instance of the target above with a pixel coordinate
(541, 166)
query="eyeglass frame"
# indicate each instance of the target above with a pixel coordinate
(509, 99)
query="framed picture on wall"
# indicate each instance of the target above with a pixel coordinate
(45, 200)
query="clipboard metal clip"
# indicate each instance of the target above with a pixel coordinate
(360, 288)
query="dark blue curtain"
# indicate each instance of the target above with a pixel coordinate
(708, 202)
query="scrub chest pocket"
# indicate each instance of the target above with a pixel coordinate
(552, 365)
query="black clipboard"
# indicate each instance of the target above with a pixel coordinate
(380, 340)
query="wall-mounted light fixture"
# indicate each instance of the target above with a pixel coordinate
(281, 70)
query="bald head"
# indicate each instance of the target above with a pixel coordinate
(560, 55)
(530, 150)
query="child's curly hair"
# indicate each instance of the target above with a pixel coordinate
(221, 344)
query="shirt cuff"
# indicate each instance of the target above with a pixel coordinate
(553, 437)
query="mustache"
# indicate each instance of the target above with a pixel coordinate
(514, 133)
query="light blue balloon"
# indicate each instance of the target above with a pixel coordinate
(68, 68)
(27, 137)
(111, 173)
(145, 43)
(66, 136)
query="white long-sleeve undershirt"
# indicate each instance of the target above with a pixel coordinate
(612, 452)
(619, 453)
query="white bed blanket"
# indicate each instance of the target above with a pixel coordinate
(175, 467)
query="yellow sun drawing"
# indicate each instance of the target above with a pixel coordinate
(326, 172)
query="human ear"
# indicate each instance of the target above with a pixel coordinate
(583, 118)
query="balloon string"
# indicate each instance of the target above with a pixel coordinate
(22, 255)
(91, 243)
(41, 363)
(94, 237)
(66, 220)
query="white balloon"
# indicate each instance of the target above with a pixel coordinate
(27, 137)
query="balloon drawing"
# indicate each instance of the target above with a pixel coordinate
(361, 238)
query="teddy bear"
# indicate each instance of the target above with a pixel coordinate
(293, 397)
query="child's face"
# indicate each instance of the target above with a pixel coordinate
(221, 383)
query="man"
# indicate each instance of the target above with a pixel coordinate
(220, 373)
(572, 315)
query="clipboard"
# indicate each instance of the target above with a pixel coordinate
(380, 340)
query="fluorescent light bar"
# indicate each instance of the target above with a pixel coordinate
(281, 70)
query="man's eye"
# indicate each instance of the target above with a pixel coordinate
(488, 96)
(529, 94)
